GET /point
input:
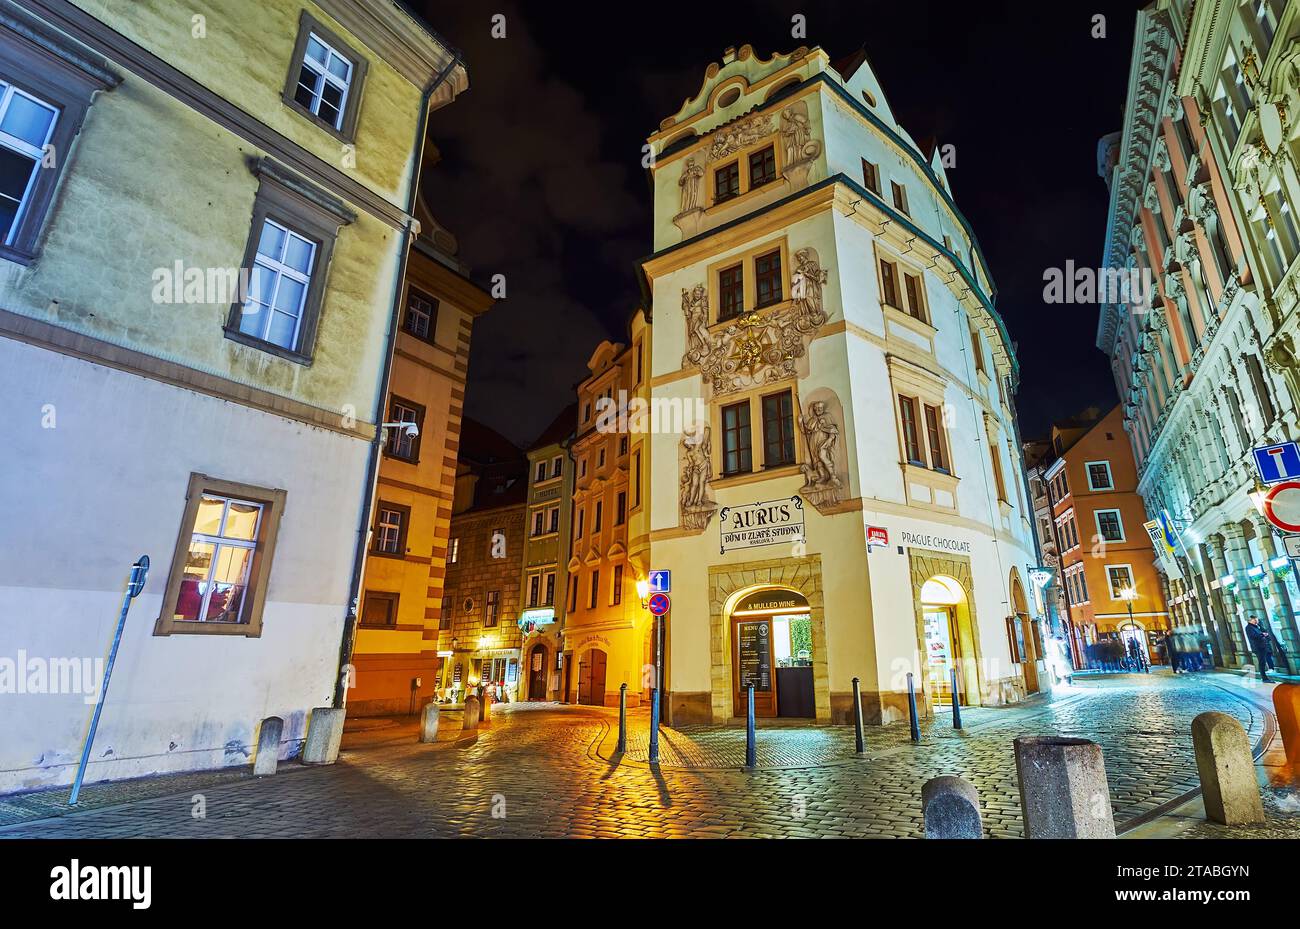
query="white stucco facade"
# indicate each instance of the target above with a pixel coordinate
(847, 361)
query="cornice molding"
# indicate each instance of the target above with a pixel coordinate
(411, 48)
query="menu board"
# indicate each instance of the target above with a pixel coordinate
(756, 656)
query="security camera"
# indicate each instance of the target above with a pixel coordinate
(411, 430)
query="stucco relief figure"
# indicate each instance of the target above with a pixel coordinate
(821, 434)
(695, 308)
(690, 186)
(697, 504)
(796, 133)
(734, 138)
(760, 347)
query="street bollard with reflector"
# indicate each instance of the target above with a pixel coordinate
(956, 702)
(622, 718)
(911, 708)
(751, 746)
(857, 717)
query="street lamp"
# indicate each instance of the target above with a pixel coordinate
(643, 592)
(1128, 595)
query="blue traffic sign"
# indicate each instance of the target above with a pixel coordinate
(661, 582)
(659, 604)
(1276, 463)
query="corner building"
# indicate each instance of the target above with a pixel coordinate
(816, 289)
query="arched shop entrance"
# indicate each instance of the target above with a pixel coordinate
(948, 638)
(772, 648)
(1027, 635)
(591, 677)
(537, 671)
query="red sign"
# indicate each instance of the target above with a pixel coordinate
(877, 535)
(1282, 506)
(659, 604)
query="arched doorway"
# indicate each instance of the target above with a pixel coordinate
(537, 672)
(772, 649)
(1027, 636)
(947, 639)
(591, 677)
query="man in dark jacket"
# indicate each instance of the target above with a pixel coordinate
(1262, 644)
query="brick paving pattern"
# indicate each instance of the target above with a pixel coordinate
(547, 771)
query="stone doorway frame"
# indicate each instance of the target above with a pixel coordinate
(727, 582)
(924, 564)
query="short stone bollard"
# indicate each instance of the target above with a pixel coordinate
(267, 758)
(324, 735)
(951, 808)
(1063, 790)
(1227, 770)
(429, 718)
(1286, 707)
(470, 719)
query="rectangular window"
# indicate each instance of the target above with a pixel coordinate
(1099, 477)
(998, 482)
(870, 176)
(731, 293)
(595, 589)
(726, 182)
(421, 315)
(550, 589)
(620, 508)
(767, 279)
(737, 455)
(534, 589)
(596, 516)
(222, 560)
(400, 443)
(291, 237)
(915, 299)
(573, 594)
(911, 439)
(540, 474)
(391, 524)
(581, 521)
(636, 478)
(900, 197)
(1109, 525)
(889, 284)
(553, 524)
(1120, 577)
(379, 609)
(600, 459)
(26, 126)
(616, 595)
(778, 430)
(278, 283)
(539, 522)
(762, 167)
(444, 613)
(934, 432)
(453, 550)
(492, 608)
(557, 465)
(325, 81)
(977, 351)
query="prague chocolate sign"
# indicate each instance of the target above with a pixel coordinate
(751, 525)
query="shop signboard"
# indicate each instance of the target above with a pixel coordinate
(771, 522)
(756, 655)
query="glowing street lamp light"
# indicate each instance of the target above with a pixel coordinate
(643, 592)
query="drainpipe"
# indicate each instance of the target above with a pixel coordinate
(348, 640)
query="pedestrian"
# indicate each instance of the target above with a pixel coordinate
(1262, 644)
(1171, 652)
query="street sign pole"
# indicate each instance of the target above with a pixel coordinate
(139, 571)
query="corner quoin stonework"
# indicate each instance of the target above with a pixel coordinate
(803, 575)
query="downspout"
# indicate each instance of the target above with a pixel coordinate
(348, 640)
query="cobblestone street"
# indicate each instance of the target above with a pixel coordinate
(551, 771)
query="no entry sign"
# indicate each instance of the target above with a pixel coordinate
(1282, 506)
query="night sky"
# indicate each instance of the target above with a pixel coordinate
(541, 179)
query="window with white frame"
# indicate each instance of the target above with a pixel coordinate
(1120, 579)
(277, 286)
(325, 78)
(26, 126)
(1109, 525)
(390, 531)
(453, 551)
(220, 560)
(421, 315)
(1099, 476)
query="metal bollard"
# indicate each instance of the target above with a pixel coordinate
(622, 719)
(751, 747)
(956, 702)
(857, 717)
(911, 708)
(654, 726)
